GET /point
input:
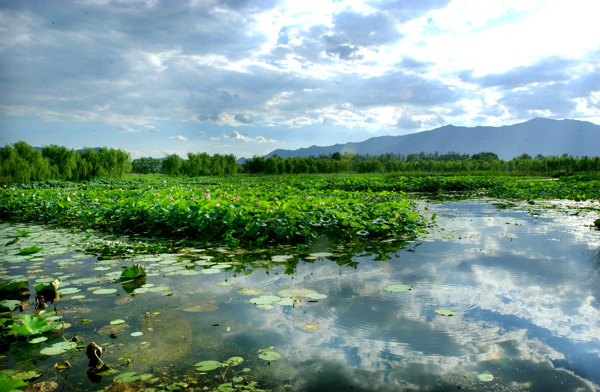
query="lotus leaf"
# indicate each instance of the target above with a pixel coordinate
(32, 325)
(30, 250)
(265, 300)
(58, 348)
(444, 312)
(28, 375)
(126, 377)
(296, 292)
(234, 361)
(69, 290)
(485, 377)
(249, 291)
(137, 333)
(117, 322)
(286, 302)
(316, 296)
(227, 387)
(39, 339)
(9, 384)
(104, 291)
(9, 304)
(269, 355)
(14, 286)
(206, 366)
(133, 272)
(398, 288)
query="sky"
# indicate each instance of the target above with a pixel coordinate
(246, 77)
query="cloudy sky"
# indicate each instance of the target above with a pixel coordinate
(245, 77)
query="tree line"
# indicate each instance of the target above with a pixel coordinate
(451, 162)
(196, 165)
(21, 163)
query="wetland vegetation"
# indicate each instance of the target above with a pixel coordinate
(300, 282)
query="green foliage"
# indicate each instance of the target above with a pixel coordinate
(13, 287)
(133, 272)
(21, 163)
(32, 325)
(10, 384)
(30, 250)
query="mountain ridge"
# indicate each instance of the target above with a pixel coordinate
(532, 137)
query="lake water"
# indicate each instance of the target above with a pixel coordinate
(523, 284)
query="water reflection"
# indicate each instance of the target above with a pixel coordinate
(520, 283)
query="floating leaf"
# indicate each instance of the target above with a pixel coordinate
(39, 339)
(126, 377)
(58, 348)
(265, 300)
(28, 375)
(310, 326)
(316, 296)
(444, 312)
(137, 333)
(226, 387)
(296, 292)
(206, 366)
(398, 288)
(234, 361)
(269, 355)
(14, 286)
(69, 290)
(286, 302)
(249, 291)
(9, 304)
(201, 308)
(13, 241)
(485, 377)
(52, 287)
(105, 291)
(117, 322)
(30, 250)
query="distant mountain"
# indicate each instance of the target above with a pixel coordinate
(536, 136)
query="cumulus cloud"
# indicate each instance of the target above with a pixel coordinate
(152, 129)
(236, 137)
(244, 118)
(178, 137)
(126, 129)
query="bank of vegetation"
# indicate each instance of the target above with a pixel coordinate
(21, 163)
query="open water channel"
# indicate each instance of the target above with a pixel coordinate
(523, 284)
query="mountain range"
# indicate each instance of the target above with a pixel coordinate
(533, 137)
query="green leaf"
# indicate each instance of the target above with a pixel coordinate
(444, 312)
(206, 366)
(13, 241)
(31, 325)
(234, 361)
(9, 384)
(126, 377)
(485, 377)
(133, 272)
(9, 304)
(268, 355)
(14, 286)
(30, 250)
(58, 348)
(53, 286)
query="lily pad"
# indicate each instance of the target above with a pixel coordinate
(286, 302)
(316, 296)
(296, 292)
(485, 377)
(69, 290)
(234, 361)
(265, 300)
(30, 250)
(269, 355)
(444, 312)
(14, 286)
(249, 291)
(397, 288)
(310, 326)
(137, 333)
(104, 291)
(117, 322)
(39, 339)
(206, 366)
(9, 304)
(58, 348)
(126, 377)
(201, 308)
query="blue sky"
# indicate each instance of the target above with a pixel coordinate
(245, 77)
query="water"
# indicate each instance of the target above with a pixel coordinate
(523, 284)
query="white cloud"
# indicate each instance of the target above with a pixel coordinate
(126, 129)
(178, 137)
(236, 137)
(152, 129)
